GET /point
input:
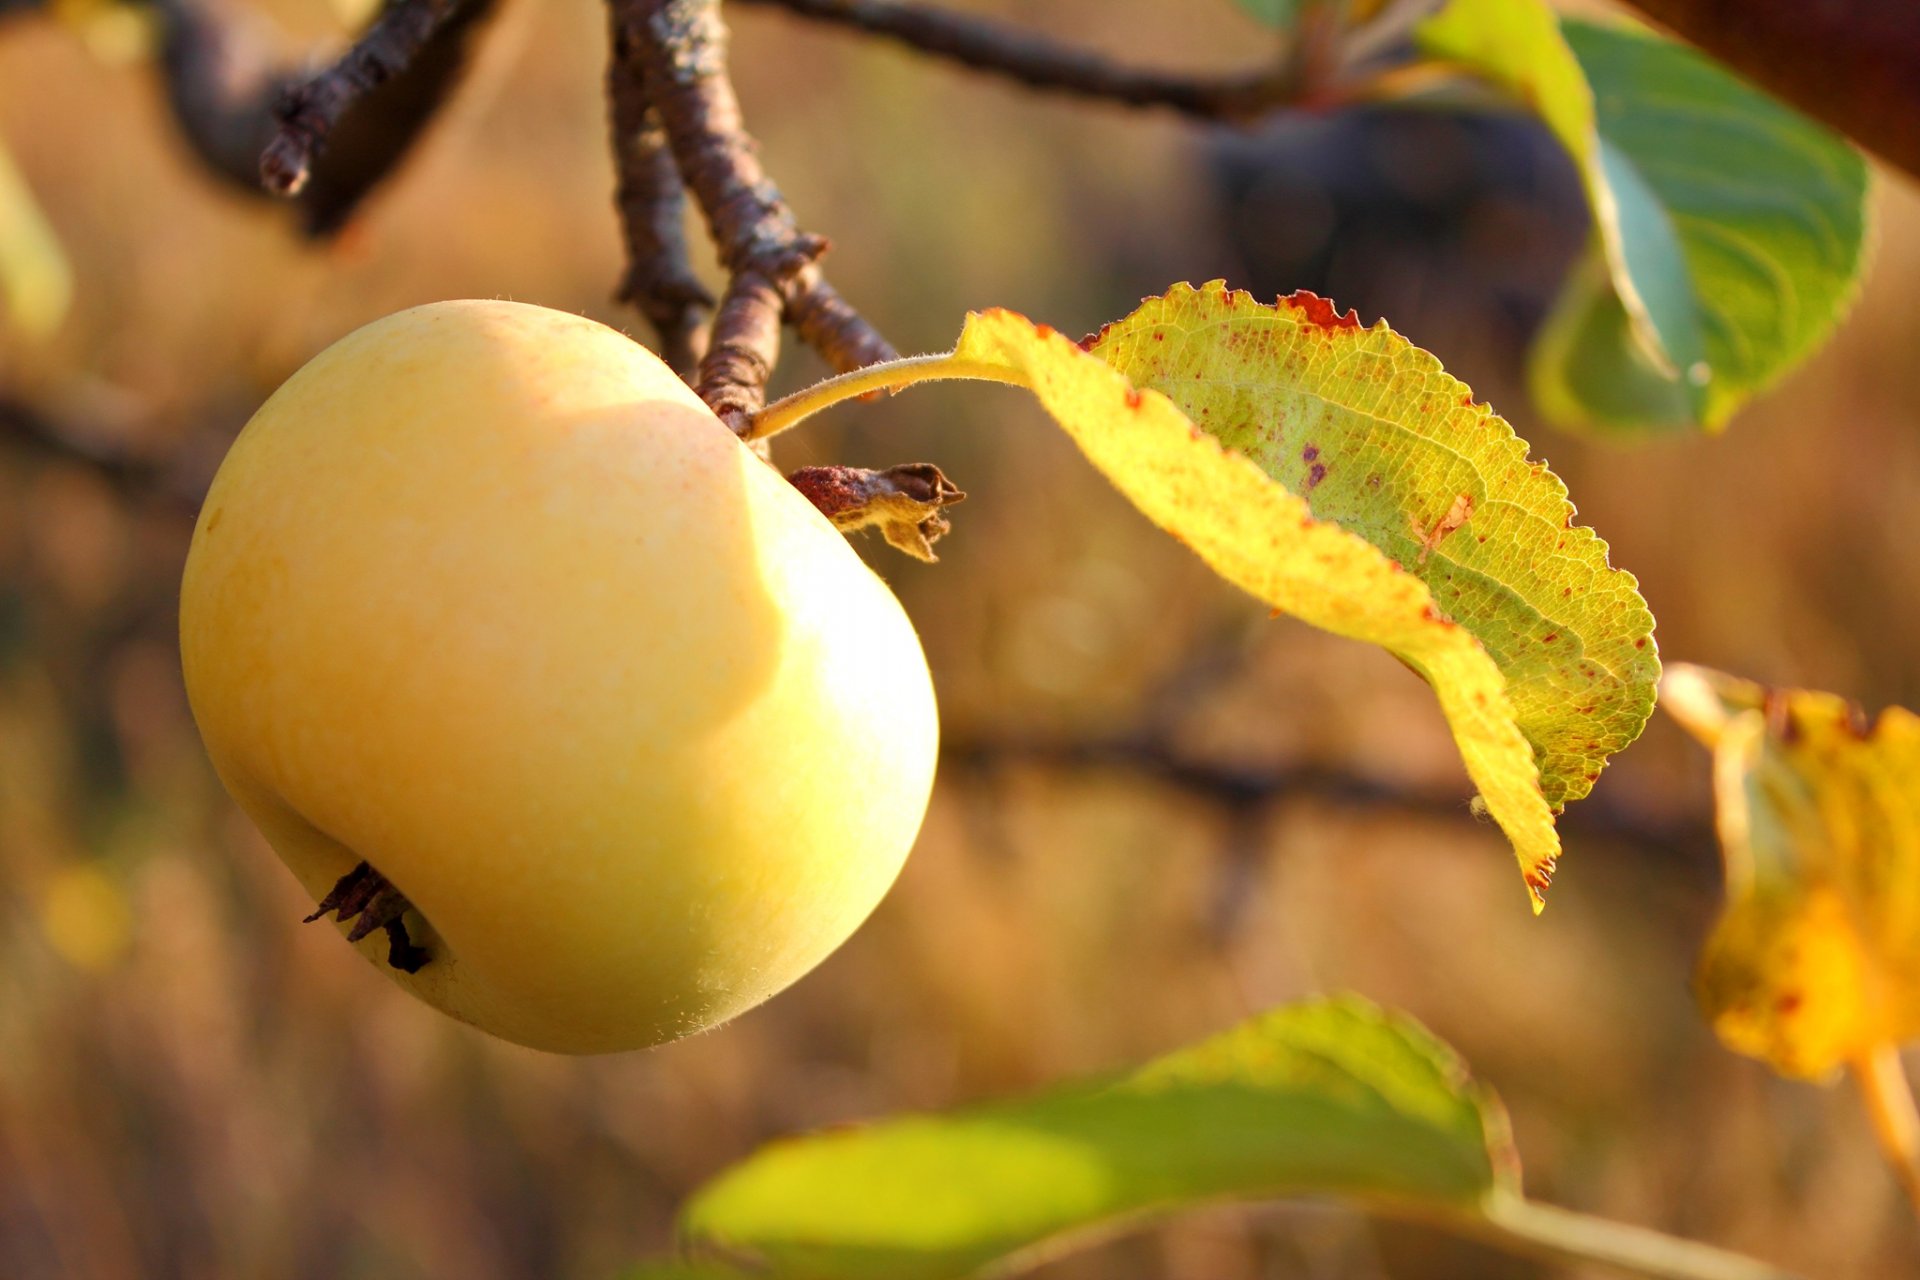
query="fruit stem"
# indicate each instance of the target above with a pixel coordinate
(889, 375)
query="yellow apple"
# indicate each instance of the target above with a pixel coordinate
(485, 597)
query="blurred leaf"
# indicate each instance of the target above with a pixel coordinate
(1274, 13)
(1518, 46)
(36, 284)
(1815, 963)
(1325, 1096)
(1339, 474)
(1771, 214)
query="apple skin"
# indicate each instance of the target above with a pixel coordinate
(485, 596)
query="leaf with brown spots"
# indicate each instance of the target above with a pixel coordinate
(1338, 473)
(1815, 963)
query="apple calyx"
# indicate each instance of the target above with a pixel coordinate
(905, 502)
(369, 899)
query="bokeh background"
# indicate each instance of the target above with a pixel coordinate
(194, 1085)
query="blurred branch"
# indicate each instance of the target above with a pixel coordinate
(1681, 844)
(307, 111)
(1854, 64)
(1041, 63)
(652, 200)
(228, 91)
(680, 50)
(175, 479)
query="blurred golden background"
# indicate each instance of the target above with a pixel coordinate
(192, 1084)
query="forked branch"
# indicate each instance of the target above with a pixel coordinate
(677, 49)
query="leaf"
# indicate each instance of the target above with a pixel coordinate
(1518, 46)
(1731, 230)
(1340, 475)
(1331, 1095)
(1815, 962)
(36, 284)
(1272, 13)
(1324, 1096)
(1771, 214)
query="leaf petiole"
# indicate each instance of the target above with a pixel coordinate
(1890, 1106)
(889, 375)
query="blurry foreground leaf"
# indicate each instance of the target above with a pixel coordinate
(1327, 1096)
(1338, 474)
(1729, 230)
(36, 284)
(1815, 962)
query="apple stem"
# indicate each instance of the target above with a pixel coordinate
(889, 375)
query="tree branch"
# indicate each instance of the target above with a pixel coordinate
(1685, 846)
(1854, 64)
(225, 87)
(177, 480)
(651, 200)
(1040, 63)
(681, 47)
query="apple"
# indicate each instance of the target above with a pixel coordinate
(485, 598)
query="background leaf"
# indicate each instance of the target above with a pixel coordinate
(1815, 962)
(1339, 474)
(36, 284)
(1770, 210)
(1518, 46)
(1331, 1095)
(1730, 230)
(1274, 13)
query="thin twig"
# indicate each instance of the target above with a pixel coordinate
(224, 84)
(308, 111)
(1041, 63)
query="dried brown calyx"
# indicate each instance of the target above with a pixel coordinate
(905, 502)
(369, 899)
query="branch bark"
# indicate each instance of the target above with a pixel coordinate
(225, 86)
(680, 48)
(1040, 63)
(1682, 845)
(651, 200)
(1854, 64)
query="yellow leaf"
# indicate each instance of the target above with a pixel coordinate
(1341, 476)
(36, 285)
(1815, 962)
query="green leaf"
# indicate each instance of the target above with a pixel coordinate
(1273, 13)
(36, 284)
(1327, 1096)
(1729, 231)
(1518, 46)
(1340, 475)
(1770, 210)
